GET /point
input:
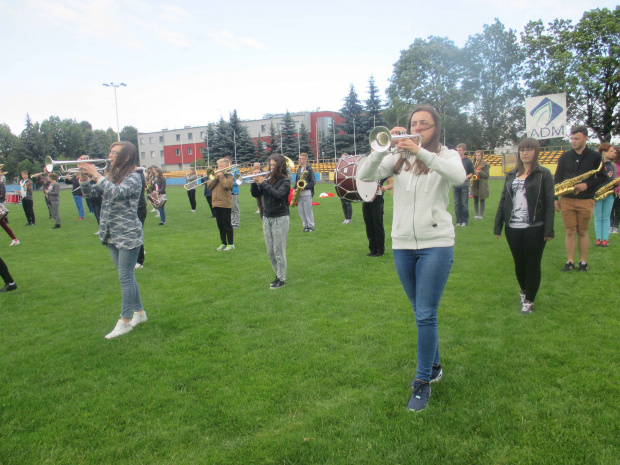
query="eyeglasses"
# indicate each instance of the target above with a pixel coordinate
(422, 125)
(527, 150)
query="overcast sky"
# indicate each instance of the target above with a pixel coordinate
(190, 62)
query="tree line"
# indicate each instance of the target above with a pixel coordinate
(478, 89)
(60, 139)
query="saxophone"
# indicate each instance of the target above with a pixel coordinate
(606, 190)
(568, 186)
(301, 183)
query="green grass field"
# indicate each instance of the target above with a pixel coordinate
(227, 371)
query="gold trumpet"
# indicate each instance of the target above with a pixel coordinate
(568, 186)
(606, 190)
(210, 176)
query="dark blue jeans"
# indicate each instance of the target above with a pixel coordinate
(423, 274)
(461, 204)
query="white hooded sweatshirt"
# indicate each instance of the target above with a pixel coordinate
(421, 219)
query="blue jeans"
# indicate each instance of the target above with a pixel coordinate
(461, 204)
(602, 217)
(423, 274)
(79, 203)
(162, 214)
(125, 261)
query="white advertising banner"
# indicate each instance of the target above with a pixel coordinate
(545, 116)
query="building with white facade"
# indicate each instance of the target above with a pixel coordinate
(177, 149)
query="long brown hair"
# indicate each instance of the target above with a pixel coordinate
(528, 143)
(476, 162)
(125, 163)
(279, 171)
(432, 145)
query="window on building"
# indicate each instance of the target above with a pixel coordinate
(190, 136)
(143, 155)
(152, 154)
(280, 125)
(142, 140)
(189, 151)
(161, 139)
(178, 152)
(150, 140)
(180, 165)
(202, 134)
(161, 153)
(263, 128)
(178, 136)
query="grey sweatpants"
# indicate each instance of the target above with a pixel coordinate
(305, 209)
(275, 231)
(54, 211)
(236, 214)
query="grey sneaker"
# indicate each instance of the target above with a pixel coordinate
(436, 373)
(420, 395)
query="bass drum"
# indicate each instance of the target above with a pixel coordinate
(348, 187)
(13, 197)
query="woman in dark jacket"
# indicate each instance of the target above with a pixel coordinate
(276, 220)
(527, 208)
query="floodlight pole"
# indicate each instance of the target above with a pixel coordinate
(118, 129)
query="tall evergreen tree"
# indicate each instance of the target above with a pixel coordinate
(242, 140)
(273, 145)
(372, 110)
(304, 140)
(289, 136)
(349, 137)
(261, 153)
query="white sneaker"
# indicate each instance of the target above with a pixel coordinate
(120, 329)
(230, 247)
(15, 242)
(153, 210)
(138, 265)
(257, 211)
(221, 247)
(157, 216)
(138, 317)
(97, 232)
(192, 211)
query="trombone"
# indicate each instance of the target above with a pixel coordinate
(51, 164)
(381, 138)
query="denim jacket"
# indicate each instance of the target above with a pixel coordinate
(119, 224)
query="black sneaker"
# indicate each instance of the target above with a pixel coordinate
(371, 254)
(420, 395)
(436, 373)
(9, 287)
(569, 266)
(583, 266)
(273, 283)
(277, 284)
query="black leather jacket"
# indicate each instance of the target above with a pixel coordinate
(539, 194)
(275, 198)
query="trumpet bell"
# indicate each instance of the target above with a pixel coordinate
(381, 138)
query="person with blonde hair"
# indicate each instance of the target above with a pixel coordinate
(221, 188)
(480, 186)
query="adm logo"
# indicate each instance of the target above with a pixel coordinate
(544, 114)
